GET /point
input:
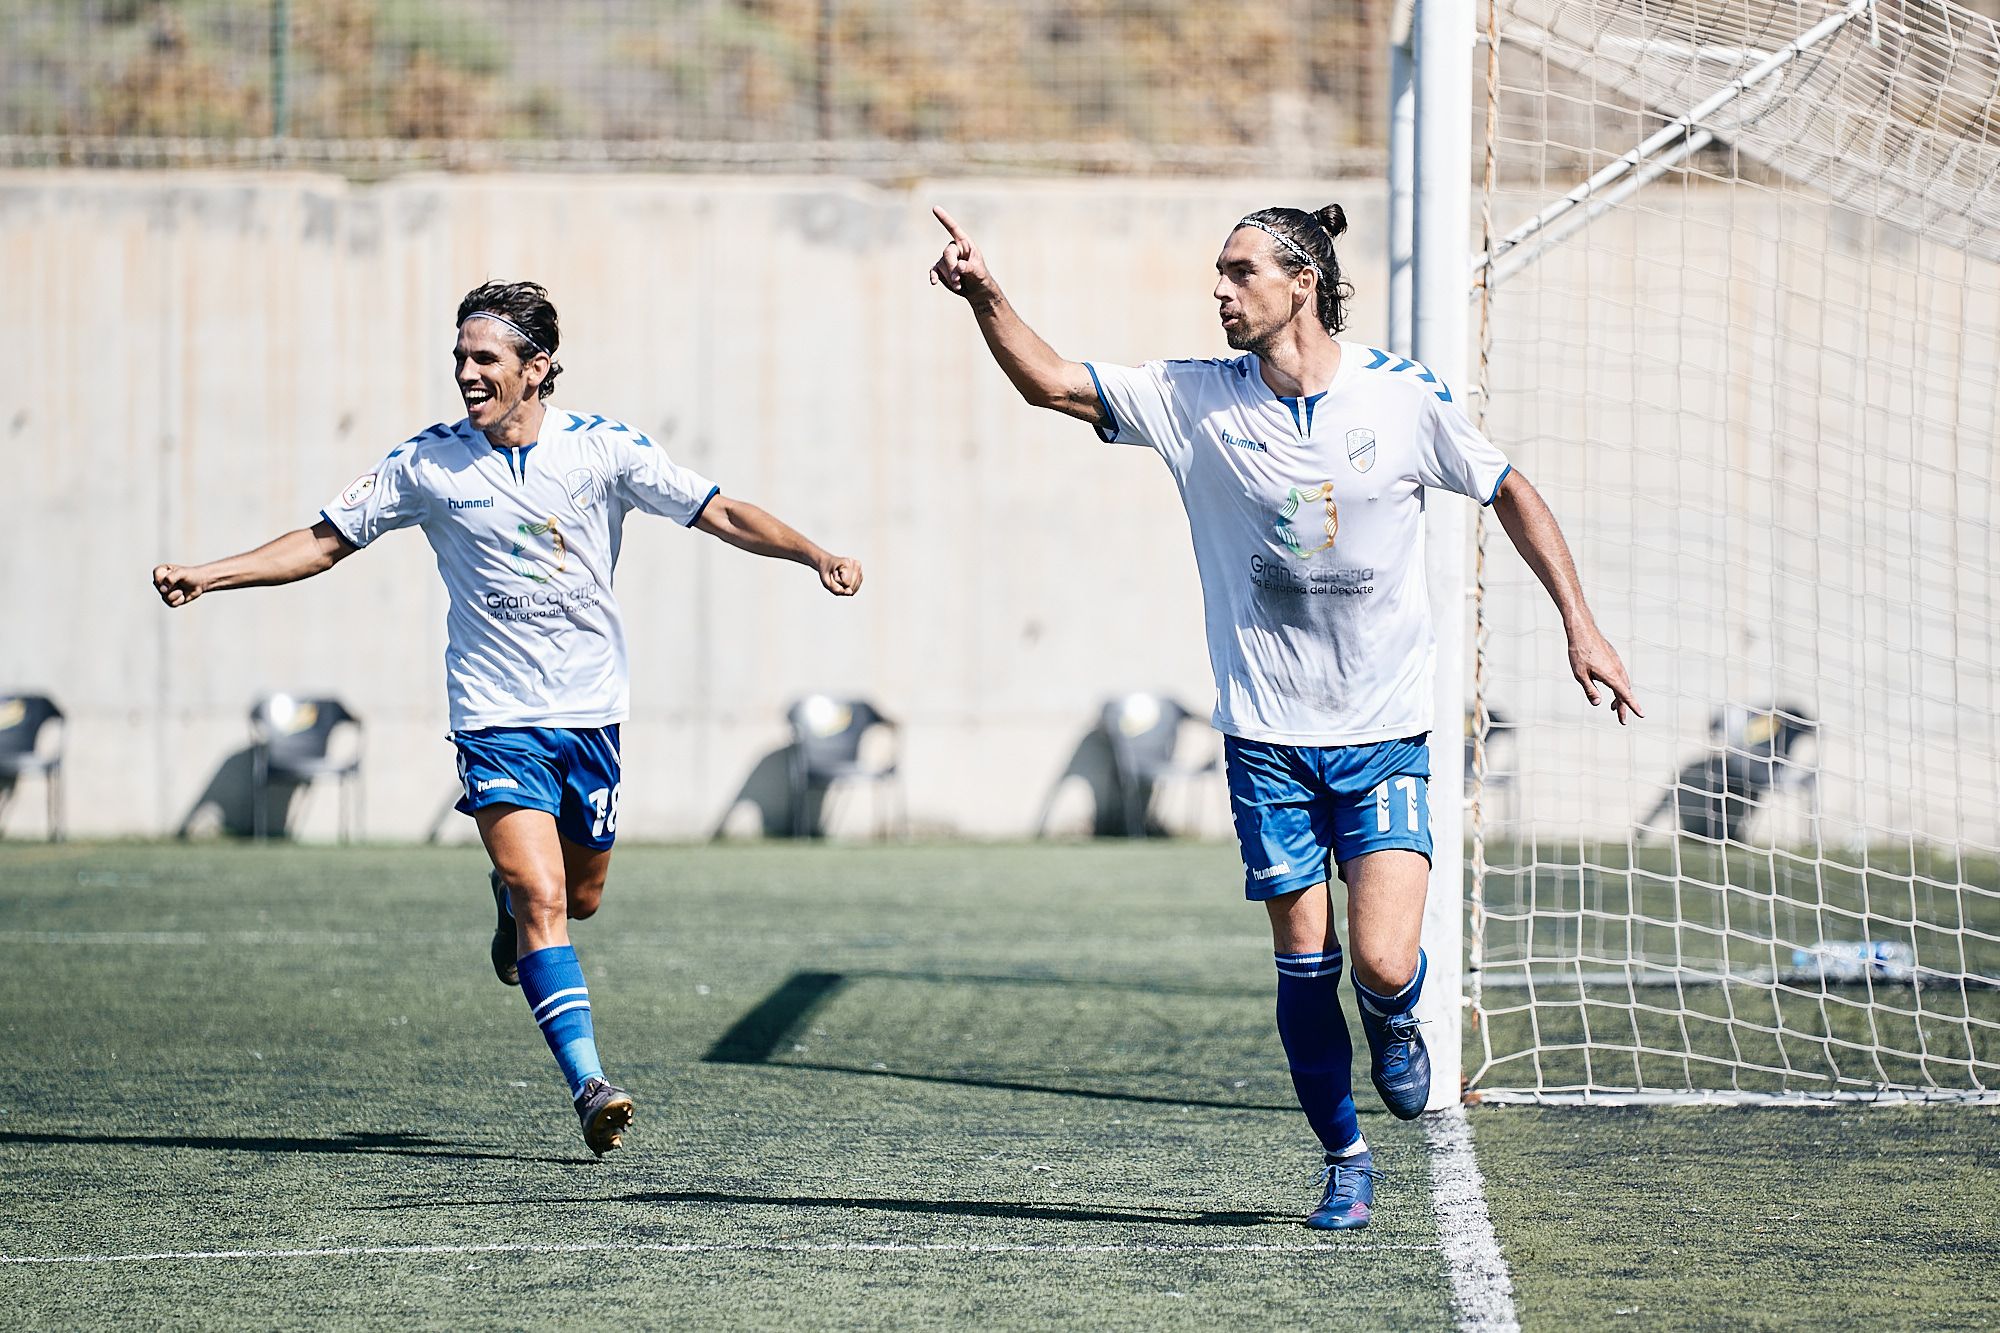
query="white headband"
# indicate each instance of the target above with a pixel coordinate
(1283, 240)
(529, 338)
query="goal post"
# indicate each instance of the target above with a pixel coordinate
(1737, 313)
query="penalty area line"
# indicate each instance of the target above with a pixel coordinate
(1481, 1290)
(693, 1247)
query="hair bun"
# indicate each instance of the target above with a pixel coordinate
(1333, 218)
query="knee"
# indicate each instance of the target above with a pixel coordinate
(539, 903)
(585, 898)
(1384, 971)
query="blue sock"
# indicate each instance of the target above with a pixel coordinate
(552, 980)
(1404, 1000)
(1321, 1054)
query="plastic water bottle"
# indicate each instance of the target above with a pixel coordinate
(1857, 960)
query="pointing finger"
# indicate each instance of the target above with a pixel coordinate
(957, 232)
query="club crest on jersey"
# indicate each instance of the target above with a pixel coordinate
(1361, 449)
(352, 497)
(582, 486)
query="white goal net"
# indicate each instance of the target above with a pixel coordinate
(1742, 328)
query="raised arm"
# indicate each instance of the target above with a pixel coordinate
(748, 528)
(299, 554)
(1533, 530)
(1038, 372)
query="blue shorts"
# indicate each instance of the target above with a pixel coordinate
(1296, 805)
(571, 773)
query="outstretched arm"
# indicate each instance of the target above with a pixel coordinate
(1042, 376)
(1533, 530)
(299, 554)
(748, 528)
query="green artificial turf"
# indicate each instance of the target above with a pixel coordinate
(904, 1087)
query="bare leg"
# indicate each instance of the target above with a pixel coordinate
(1385, 916)
(528, 853)
(584, 869)
(1302, 922)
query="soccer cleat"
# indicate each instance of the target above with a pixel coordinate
(1399, 1064)
(605, 1112)
(505, 942)
(1349, 1199)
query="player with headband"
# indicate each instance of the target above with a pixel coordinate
(1303, 465)
(525, 508)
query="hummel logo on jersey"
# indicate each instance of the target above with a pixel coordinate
(499, 784)
(1272, 872)
(486, 503)
(1239, 442)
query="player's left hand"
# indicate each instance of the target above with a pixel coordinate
(840, 575)
(1594, 662)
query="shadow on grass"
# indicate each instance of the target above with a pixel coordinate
(767, 1028)
(357, 1144)
(1051, 1089)
(1026, 1212)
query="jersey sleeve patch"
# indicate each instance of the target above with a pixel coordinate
(355, 495)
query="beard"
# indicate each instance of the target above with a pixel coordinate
(1243, 338)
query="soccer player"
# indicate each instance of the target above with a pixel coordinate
(1303, 465)
(525, 507)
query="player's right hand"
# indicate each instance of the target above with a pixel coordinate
(176, 584)
(961, 267)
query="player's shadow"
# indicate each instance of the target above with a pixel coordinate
(770, 1027)
(355, 1143)
(986, 1208)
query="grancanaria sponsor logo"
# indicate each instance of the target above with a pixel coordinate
(1286, 578)
(539, 560)
(1296, 500)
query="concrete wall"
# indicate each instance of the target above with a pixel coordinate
(198, 363)
(201, 362)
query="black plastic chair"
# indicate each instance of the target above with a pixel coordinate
(1756, 754)
(827, 737)
(23, 720)
(1500, 762)
(292, 744)
(1144, 731)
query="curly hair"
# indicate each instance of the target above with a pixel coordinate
(1304, 237)
(526, 306)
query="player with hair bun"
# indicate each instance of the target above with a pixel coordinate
(525, 507)
(1303, 465)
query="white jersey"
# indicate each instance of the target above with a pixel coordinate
(526, 540)
(1307, 517)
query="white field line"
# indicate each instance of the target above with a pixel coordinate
(194, 939)
(690, 1247)
(1480, 1287)
(183, 939)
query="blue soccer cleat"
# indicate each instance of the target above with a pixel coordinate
(505, 940)
(605, 1113)
(1399, 1063)
(1349, 1200)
